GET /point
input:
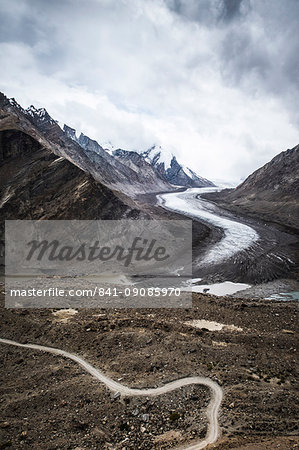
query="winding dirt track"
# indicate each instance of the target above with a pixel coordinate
(212, 410)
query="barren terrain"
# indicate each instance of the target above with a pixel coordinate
(49, 402)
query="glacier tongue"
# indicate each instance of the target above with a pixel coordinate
(237, 236)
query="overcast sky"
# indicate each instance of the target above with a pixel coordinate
(214, 81)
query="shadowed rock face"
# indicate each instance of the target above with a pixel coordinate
(37, 184)
(270, 192)
(176, 174)
(171, 171)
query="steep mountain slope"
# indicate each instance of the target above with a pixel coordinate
(129, 172)
(165, 164)
(84, 152)
(132, 179)
(271, 192)
(37, 184)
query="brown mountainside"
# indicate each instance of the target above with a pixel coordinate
(271, 192)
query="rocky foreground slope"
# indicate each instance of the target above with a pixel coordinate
(50, 402)
(271, 192)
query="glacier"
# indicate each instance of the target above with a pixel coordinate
(237, 236)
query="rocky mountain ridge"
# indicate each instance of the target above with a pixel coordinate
(127, 171)
(87, 155)
(271, 192)
(167, 166)
(39, 179)
(164, 165)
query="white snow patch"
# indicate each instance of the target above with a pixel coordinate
(188, 172)
(211, 325)
(162, 155)
(220, 289)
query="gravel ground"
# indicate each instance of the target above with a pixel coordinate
(51, 403)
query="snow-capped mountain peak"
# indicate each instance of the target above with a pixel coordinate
(39, 114)
(32, 110)
(164, 165)
(15, 104)
(84, 141)
(157, 155)
(171, 170)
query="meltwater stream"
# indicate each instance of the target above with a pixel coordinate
(237, 236)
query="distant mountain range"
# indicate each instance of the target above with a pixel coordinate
(38, 180)
(128, 172)
(166, 165)
(163, 163)
(47, 172)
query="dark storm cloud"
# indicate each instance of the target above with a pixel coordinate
(259, 44)
(231, 9)
(262, 53)
(241, 55)
(20, 29)
(209, 11)
(192, 10)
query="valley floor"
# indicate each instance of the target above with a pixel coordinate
(231, 246)
(48, 402)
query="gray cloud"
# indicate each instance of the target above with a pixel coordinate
(231, 9)
(215, 81)
(209, 12)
